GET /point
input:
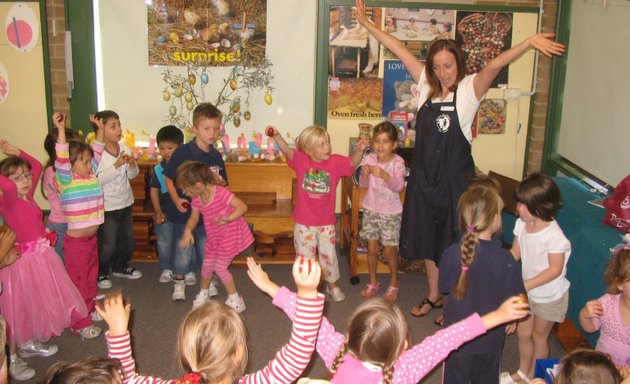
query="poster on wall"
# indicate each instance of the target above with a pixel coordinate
(4, 84)
(483, 36)
(400, 91)
(21, 27)
(352, 98)
(206, 33)
(416, 28)
(353, 51)
(491, 117)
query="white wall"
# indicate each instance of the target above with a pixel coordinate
(134, 90)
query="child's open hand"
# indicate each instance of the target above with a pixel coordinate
(593, 309)
(98, 122)
(187, 240)
(260, 278)
(306, 273)
(9, 149)
(116, 313)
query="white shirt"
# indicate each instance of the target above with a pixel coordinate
(535, 250)
(467, 103)
(115, 182)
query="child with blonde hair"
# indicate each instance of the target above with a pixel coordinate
(544, 252)
(479, 275)
(318, 173)
(227, 232)
(610, 314)
(212, 340)
(383, 174)
(375, 346)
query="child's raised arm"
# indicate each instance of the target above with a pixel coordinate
(9, 149)
(59, 122)
(278, 139)
(115, 313)
(100, 128)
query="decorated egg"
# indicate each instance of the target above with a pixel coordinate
(192, 79)
(233, 84)
(172, 110)
(225, 43)
(190, 105)
(161, 39)
(188, 97)
(236, 107)
(268, 99)
(166, 95)
(204, 78)
(247, 115)
(187, 37)
(237, 121)
(178, 91)
(173, 37)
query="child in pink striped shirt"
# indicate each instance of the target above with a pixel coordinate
(82, 203)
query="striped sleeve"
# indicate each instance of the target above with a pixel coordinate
(292, 359)
(98, 148)
(119, 347)
(62, 164)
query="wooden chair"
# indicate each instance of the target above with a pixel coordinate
(508, 189)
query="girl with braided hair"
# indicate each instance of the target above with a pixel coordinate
(479, 275)
(375, 347)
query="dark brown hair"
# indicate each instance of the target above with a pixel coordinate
(11, 164)
(89, 370)
(437, 46)
(49, 146)
(104, 115)
(540, 195)
(388, 128)
(207, 110)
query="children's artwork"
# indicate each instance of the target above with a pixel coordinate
(356, 99)
(206, 33)
(417, 28)
(483, 36)
(399, 90)
(4, 84)
(21, 27)
(491, 117)
(353, 51)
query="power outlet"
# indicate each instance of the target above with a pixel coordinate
(511, 94)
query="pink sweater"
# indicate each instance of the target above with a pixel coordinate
(286, 367)
(412, 365)
(49, 182)
(382, 197)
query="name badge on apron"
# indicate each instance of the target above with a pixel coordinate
(448, 108)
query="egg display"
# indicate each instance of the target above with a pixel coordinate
(483, 37)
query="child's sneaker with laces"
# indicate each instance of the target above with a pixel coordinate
(190, 278)
(35, 348)
(96, 316)
(104, 282)
(336, 294)
(212, 289)
(89, 332)
(19, 370)
(179, 291)
(202, 297)
(128, 273)
(166, 276)
(236, 304)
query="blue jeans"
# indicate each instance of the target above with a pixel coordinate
(165, 244)
(116, 241)
(60, 229)
(191, 258)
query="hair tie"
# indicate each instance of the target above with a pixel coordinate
(620, 247)
(464, 267)
(470, 228)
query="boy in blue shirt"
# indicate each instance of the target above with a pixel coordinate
(207, 128)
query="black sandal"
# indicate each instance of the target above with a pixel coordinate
(439, 321)
(431, 304)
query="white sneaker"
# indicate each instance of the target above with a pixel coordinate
(166, 276)
(89, 332)
(19, 370)
(35, 348)
(336, 294)
(190, 278)
(104, 282)
(202, 297)
(212, 289)
(96, 316)
(238, 305)
(179, 291)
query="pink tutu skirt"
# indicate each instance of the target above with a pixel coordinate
(38, 299)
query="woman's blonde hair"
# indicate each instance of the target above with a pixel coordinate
(477, 207)
(212, 341)
(191, 172)
(377, 333)
(618, 270)
(587, 366)
(309, 138)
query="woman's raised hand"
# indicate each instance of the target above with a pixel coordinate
(546, 46)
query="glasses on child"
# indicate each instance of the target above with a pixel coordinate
(23, 177)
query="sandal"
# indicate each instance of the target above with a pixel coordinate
(428, 302)
(370, 290)
(391, 294)
(439, 321)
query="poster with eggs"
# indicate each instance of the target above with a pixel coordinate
(483, 36)
(214, 33)
(491, 117)
(417, 28)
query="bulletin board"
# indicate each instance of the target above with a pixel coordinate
(359, 82)
(24, 82)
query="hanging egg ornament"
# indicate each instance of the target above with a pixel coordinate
(188, 97)
(178, 91)
(172, 110)
(236, 107)
(268, 99)
(204, 78)
(192, 79)
(233, 84)
(247, 115)
(166, 95)
(190, 105)
(237, 121)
